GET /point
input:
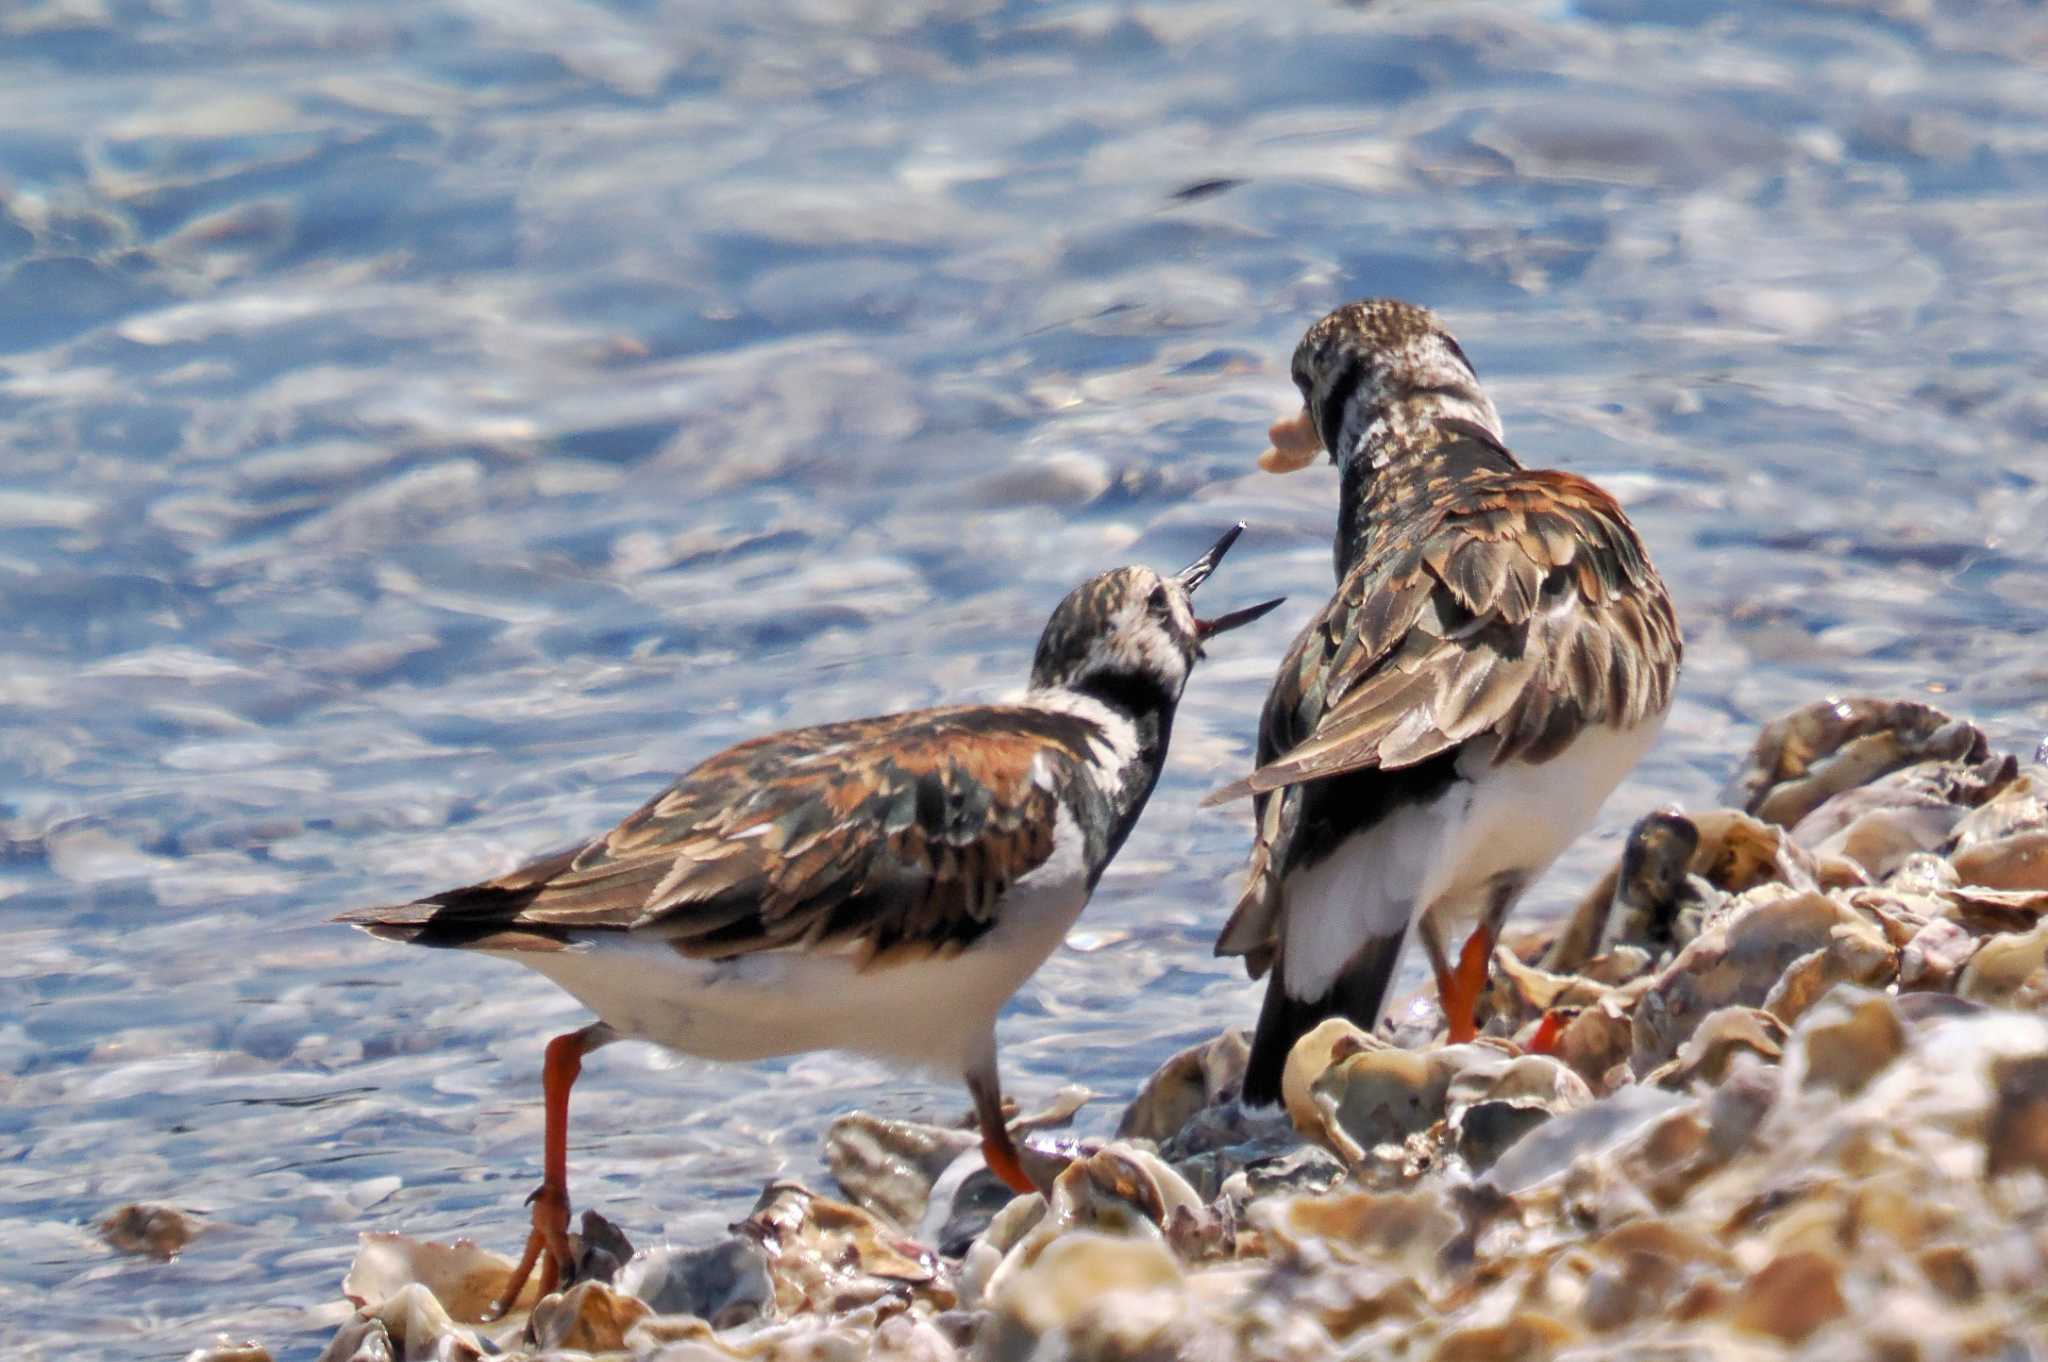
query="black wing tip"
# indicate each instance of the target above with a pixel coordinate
(413, 924)
(403, 933)
(386, 915)
(1358, 995)
(402, 922)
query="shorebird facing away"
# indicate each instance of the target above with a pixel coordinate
(1498, 654)
(881, 885)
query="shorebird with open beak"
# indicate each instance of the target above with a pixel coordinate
(880, 885)
(1498, 655)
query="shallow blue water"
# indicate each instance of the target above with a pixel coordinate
(425, 427)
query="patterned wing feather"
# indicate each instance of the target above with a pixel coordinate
(879, 835)
(1523, 607)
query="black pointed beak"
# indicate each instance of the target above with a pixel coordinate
(1223, 624)
(1197, 572)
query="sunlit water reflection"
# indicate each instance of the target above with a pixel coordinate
(429, 426)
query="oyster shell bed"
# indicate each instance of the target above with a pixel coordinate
(1778, 1087)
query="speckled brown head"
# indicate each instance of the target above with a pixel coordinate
(1371, 373)
(1132, 630)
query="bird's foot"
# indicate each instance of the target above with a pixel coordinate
(1461, 989)
(547, 1245)
(1550, 1030)
(1026, 1167)
(1005, 1160)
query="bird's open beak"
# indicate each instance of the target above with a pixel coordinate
(1223, 624)
(1197, 572)
(1295, 443)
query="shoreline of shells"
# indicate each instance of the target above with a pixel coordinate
(1777, 1088)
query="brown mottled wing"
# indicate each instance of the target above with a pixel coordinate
(1520, 610)
(872, 836)
(1524, 609)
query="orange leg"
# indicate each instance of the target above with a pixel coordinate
(550, 1200)
(1001, 1153)
(1459, 988)
(996, 1145)
(1550, 1030)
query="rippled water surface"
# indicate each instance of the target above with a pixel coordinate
(424, 427)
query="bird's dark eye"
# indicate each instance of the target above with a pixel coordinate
(1159, 602)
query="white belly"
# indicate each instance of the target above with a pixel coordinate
(935, 1013)
(1442, 856)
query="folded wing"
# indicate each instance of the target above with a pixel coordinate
(875, 837)
(1519, 610)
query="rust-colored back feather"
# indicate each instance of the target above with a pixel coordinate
(875, 836)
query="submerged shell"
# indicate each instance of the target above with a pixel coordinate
(1120, 1189)
(1596, 1042)
(1850, 1039)
(1331, 1041)
(2020, 806)
(411, 1322)
(2016, 1136)
(1641, 901)
(225, 1350)
(1791, 1296)
(1406, 1232)
(1712, 1047)
(2003, 964)
(1935, 955)
(1518, 994)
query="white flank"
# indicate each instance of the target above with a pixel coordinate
(935, 1013)
(1442, 855)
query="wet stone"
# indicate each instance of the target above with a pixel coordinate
(1735, 963)
(224, 1351)
(1303, 1170)
(1792, 1296)
(2018, 861)
(1847, 1040)
(1198, 1077)
(151, 1228)
(589, 1317)
(2017, 1136)
(1803, 758)
(889, 1167)
(726, 1284)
